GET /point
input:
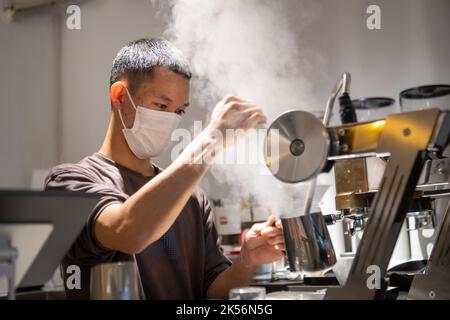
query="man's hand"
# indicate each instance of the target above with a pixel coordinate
(263, 243)
(236, 114)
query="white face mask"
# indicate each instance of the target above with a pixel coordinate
(151, 131)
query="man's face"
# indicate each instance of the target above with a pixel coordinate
(166, 91)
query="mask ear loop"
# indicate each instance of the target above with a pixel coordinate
(132, 103)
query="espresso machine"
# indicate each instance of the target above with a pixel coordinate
(386, 170)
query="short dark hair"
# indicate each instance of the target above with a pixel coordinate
(136, 61)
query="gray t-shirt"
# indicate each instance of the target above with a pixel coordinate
(180, 265)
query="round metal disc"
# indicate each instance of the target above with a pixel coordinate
(296, 146)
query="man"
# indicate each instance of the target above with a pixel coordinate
(160, 218)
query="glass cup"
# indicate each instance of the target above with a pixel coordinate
(247, 293)
(263, 272)
(115, 281)
(425, 97)
(374, 108)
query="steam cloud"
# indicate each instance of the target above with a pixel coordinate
(247, 48)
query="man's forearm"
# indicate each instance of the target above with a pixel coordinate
(158, 203)
(238, 275)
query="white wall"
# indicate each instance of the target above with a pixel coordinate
(87, 56)
(411, 49)
(28, 100)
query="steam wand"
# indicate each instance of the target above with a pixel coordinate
(347, 115)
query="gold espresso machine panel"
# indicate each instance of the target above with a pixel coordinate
(382, 171)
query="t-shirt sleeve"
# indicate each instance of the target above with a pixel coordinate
(215, 261)
(74, 178)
